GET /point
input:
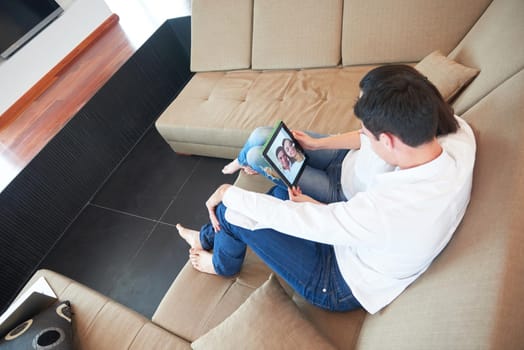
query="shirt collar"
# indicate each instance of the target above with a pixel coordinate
(421, 172)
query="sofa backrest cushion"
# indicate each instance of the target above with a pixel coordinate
(268, 319)
(494, 45)
(471, 296)
(296, 33)
(221, 34)
(385, 32)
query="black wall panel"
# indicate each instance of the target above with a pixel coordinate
(42, 201)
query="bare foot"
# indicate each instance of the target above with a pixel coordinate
(232, 167)
(202, 260)
(192, 237)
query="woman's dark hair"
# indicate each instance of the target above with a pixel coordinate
(284, 141)
(447, 123)
(291, 159)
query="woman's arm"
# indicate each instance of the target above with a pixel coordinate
(348, 140)
(296, 195)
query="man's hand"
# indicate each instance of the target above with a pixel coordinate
(213, 202)
(296, 195)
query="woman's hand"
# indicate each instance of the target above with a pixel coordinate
(213, 202)
(347, 140)
(306, 141)
(296, 195)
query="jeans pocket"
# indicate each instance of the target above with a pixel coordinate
(344, 298)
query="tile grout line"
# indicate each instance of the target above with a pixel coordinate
(122, 212)
(157, 222)
(131, 214)
(193, 171)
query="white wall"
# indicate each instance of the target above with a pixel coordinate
(29, 64)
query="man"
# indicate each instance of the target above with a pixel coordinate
(365, 251)
(283, 158)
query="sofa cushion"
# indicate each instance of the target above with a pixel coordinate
(296, 33)
(255, 183)
(389, 31)
(470, 297)
(206, 300)
(221, 34)
(342, 329)
(155, 338)
(448, 76)
(268, 319)
(494, 46)
(216, 111)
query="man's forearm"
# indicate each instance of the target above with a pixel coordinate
(217, 196)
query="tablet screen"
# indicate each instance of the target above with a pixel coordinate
(284, 154)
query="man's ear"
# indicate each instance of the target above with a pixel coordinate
(387, 139)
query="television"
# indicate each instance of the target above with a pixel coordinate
(21, 20)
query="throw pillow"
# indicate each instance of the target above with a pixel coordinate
(50, 329)
(268, 319)
(448, 76)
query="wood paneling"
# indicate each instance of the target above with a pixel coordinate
(27, 126)
(47, 80)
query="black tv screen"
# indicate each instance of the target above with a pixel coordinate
(20, 20)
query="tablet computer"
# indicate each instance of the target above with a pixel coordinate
(284, 154)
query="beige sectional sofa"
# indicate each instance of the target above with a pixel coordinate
(257, 61)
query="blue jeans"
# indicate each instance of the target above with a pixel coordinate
(321, 177)
(310, 268)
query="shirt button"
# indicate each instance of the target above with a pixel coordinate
(324, 290)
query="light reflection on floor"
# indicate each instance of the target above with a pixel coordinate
(140, 18)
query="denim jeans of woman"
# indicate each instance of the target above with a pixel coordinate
(310, 268)
(321, 177)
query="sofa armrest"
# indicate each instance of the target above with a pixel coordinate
(101, 323)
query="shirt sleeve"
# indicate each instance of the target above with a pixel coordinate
(344, 223)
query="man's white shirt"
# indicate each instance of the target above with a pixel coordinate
(393, 225)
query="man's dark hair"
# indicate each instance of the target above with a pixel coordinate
(280, 149)
(447, 123)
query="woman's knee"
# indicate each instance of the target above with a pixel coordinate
(254, 157)
(259, 135)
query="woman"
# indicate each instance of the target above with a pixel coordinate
(328, 155)
(291, 151)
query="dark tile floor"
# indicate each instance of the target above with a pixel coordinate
(124, 244)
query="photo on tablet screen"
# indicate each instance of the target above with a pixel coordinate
(285, 155)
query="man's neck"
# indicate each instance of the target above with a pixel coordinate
(415, 156)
